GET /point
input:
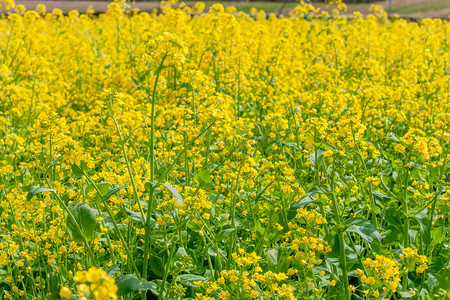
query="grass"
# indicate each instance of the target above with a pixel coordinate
(246, 6)
(424, 8)
(421, 7)
(266, 6)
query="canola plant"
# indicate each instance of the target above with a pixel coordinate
(193, 154)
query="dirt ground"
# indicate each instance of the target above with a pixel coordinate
(409, 8)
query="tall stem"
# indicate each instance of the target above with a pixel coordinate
(341, 240)
(130, 172)
(152, 173)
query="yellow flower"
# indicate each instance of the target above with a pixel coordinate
(399, 148)
(328, 153)
(65, 292)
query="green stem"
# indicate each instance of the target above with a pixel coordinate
(147, 232)
(130, 172)
(152, 174)
(341, 240)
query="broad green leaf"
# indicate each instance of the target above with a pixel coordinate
(424, 222)
(181, 252)
(130, 283)
(113, 191)
(436, 237)
(85, 218)
(156, 265)
(212, 252)
(103, 187)
(392, 136)
(34, 190)
(335, 258)
(124, 213)
(364, 228)
(189, 279)
(383, 198)
(306, 199)
(406, 295)
(113, 270)
(432, 283)
(272, 257)
(203, 177)
(134, 216)
(375, 209)
(79, 170)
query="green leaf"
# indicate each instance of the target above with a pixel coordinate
(134, 215)
(364, 228)
(134, 82)
(381, 197)
(306, 199)
(375, 209)
(335, 258)
(432, 283)
(180, 254)
(392, 136)
(130, 283)
(175, 192)
(156, 265)
(436, 237)
(64, 273)
(113, 270)
(188, 279)
(405, 295)
(85, 218)
(113, 191)
(79, 170)
(424, 222)
(272, 257)
(312, 158)
(34, 190)
(212, 252)
(203, 177)
(102, 186)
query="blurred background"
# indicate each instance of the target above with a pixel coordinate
(404, 8)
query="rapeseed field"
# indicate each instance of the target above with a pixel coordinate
(192, 154)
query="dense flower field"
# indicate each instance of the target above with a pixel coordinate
(219, 155)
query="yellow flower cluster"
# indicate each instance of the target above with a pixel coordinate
(93, 284)
(384, 270)
(250, 284)
(425, 147)
(243, 259)
(411, 256)
(241, 142)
